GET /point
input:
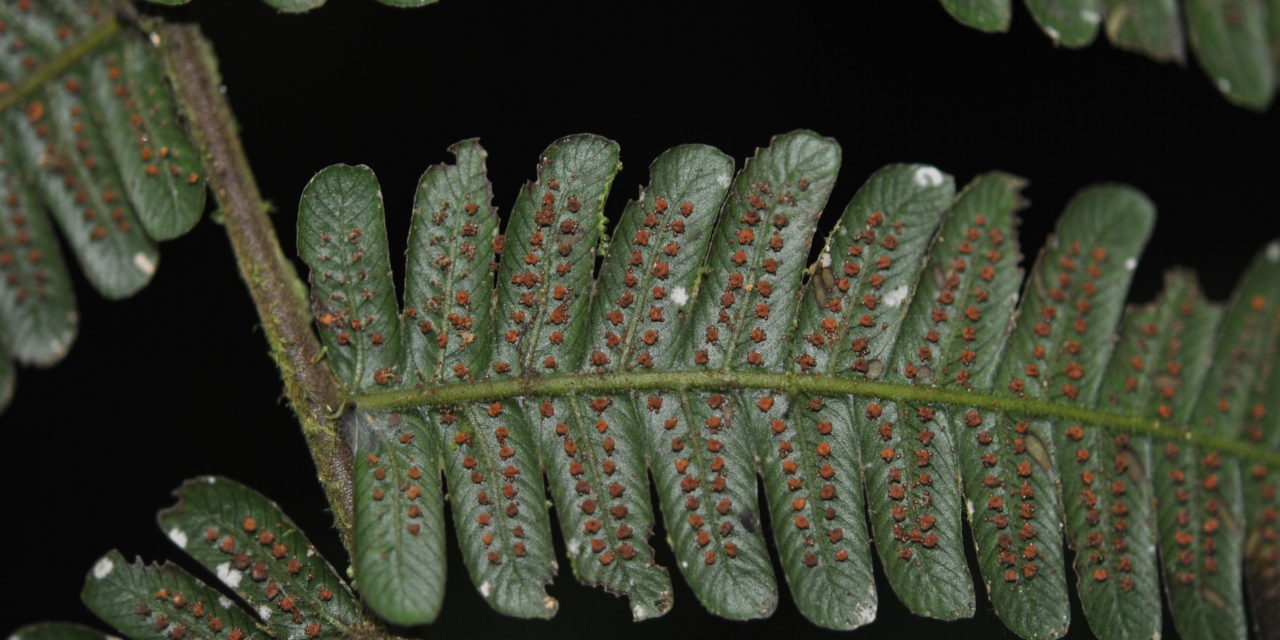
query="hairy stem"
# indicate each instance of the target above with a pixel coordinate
(793, 384)
(59, 64)
(278, 294)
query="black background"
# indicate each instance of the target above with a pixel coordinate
(176, 382)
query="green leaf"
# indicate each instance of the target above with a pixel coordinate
(499, 508)
(1071, 23)
(1262, 485)
(255, 550)
(38, 32)
(1151, 27)
(1201, 503)
(546, 268)
(910, 469)
(1059, 349)
(545, 272)
(953, 336)
(851, 315)
(400, 524)
(1112, 486)
(158, 165)
(983, 15)
(1273, 34)
(82, 188)
(58, 631)
(37, 306)
(156, 601)
(295, 6)
(84, 101)
(1229, 39)
(447, 281)
(342, 236)
(399, 516)
(702, 447)
(399, 539)
(64, 150)
(407, 3)
(595, 447)
(1026, 412)
(550, 246)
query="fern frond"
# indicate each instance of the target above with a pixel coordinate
(1234, 40)
(89, 135)
(902, 380)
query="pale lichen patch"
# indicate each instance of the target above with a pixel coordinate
(144, 263)
(103, 568)
(928, 177)
(229, 576)
(896, 296)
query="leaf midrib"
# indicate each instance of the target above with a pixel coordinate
(793, 384)
(60, 63)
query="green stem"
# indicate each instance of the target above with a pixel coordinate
(794, 384)
(60, 63)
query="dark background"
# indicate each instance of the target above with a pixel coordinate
(176, 382)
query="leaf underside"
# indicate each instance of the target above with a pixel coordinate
(302, 6)
(1235, 41)
(90, 143)
(917, 287)
(257, 552)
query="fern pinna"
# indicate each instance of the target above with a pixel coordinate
(909, 374)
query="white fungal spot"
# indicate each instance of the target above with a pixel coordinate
(550, 603)
(224, 602)
(896, 296)
(144, 263)
(637, 612)
(724, 181)
(573, 546)
(684, 565)
(928, 177)
(1052, 33)
(210, 479)
(229, 576)
(1273, 252)
(865, 613)
(825, 259)
(264, 612)
(968, 504)
(1224, 85)
(155, 39)
(486, 588)
(679, 296)
(103, 568)
(179, 537)
(1130, 264)
(311, 551)
(1090, 16)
